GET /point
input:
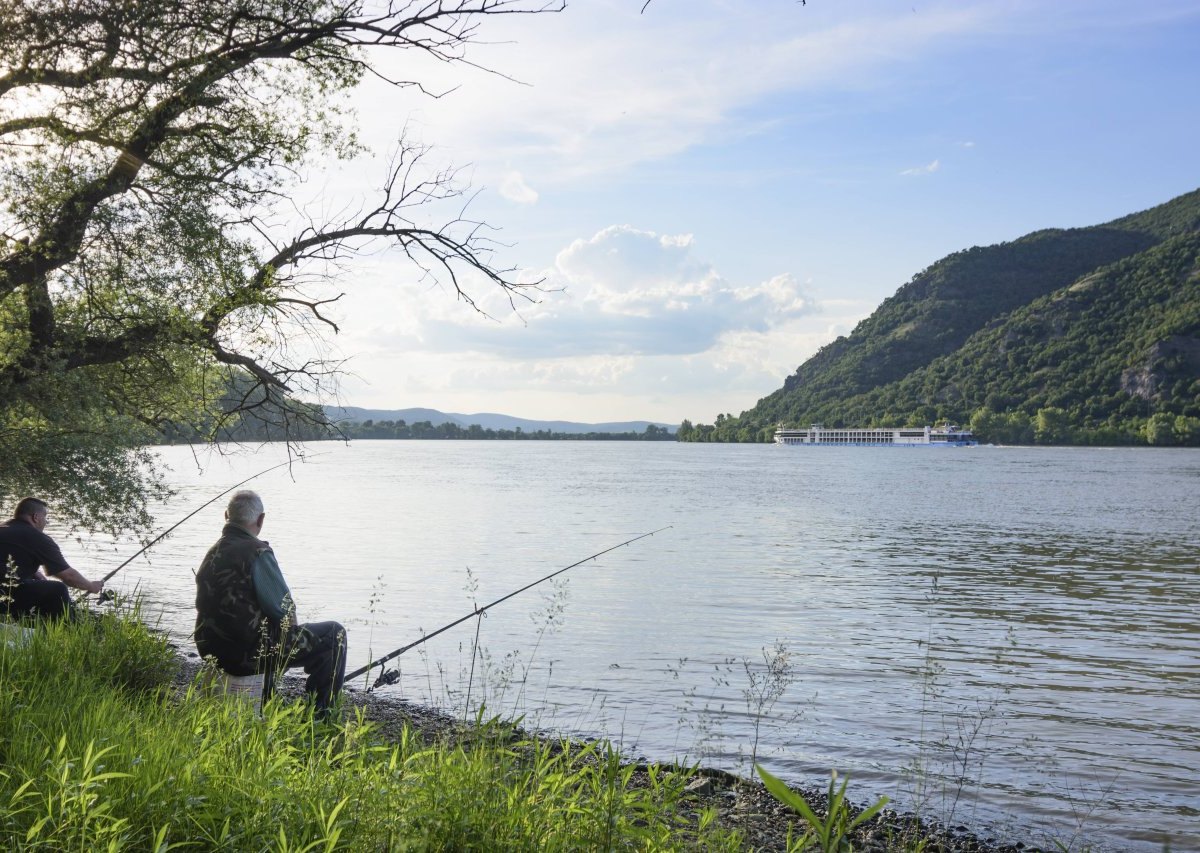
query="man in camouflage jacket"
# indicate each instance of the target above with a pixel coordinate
(245, 617)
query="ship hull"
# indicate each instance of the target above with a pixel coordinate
(819, 436)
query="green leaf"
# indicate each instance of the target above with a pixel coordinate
(869, 812)
(787, 796)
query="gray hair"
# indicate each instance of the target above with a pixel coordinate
(244, 508)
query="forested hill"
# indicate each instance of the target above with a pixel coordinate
(1086, 335)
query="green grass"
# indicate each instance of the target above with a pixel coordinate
(99, 752)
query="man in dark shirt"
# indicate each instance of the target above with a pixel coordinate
(24, 550)
(245, 617)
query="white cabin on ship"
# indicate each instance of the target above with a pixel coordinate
(942, 436)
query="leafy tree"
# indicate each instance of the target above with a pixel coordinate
(1052, 426)
(1186, 430)
(1160, 430)
(149, 252)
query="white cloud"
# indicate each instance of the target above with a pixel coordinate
(514, 188)
(623, 258)
(623, 292)
(927, 169)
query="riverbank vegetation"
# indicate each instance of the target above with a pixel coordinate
(105, 746)
(101, 753)
(1079, 336)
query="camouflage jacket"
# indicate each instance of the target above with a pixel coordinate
(236, 623)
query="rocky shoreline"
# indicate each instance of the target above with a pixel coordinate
(739, 803)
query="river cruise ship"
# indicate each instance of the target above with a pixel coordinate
(940, 436)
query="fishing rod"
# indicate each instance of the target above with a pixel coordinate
(166, 532)
(391, 677)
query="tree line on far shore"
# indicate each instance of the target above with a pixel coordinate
(448, 430)
(298, 421)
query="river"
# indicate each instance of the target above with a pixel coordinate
(1006, 638)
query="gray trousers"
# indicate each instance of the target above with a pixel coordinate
(320, 649)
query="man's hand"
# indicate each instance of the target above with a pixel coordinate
(75, 580)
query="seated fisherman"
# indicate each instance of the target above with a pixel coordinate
(245, 617)
(24, 550)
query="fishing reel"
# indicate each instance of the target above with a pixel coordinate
(388, 676)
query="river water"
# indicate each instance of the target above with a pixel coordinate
(1005, 638)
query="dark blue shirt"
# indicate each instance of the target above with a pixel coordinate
(25, 548)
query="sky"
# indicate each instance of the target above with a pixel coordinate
(711, 190)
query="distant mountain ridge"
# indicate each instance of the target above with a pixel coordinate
(487, 420)
(1083, 335)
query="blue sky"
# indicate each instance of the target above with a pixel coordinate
(713, 189)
